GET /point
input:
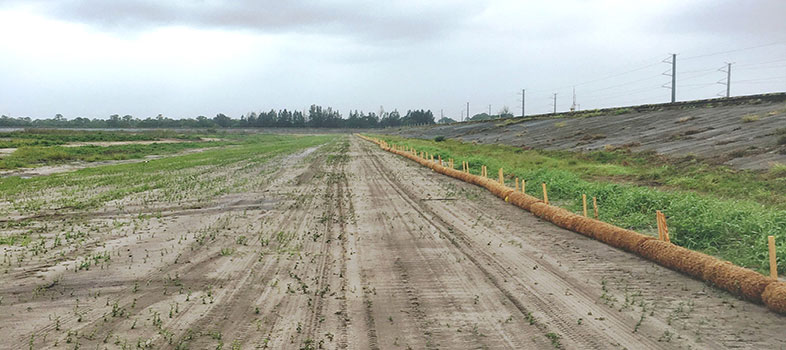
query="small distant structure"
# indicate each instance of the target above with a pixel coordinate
(573, 107)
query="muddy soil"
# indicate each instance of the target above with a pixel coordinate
(743, 135)
(350, 247)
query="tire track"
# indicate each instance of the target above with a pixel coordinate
(594, 339)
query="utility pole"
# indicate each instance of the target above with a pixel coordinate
(673, 78)
(728, 80)
(555, 103)
(523, 98)
(467, 111)
(489, 109)
(573, 106)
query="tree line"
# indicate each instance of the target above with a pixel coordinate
(315, 117)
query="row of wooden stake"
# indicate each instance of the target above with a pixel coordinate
(660, 218)
(773, 295)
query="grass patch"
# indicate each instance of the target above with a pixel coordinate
(781, 136)
(716, 210)
(38, 155)
(685, 119)
(171, 176)
(54, 137)
(750, 118)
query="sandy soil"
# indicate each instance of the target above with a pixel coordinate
(742, 135)
(351, 247)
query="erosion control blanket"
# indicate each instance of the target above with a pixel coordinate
(740, 281)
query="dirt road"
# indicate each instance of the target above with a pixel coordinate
(347, 246)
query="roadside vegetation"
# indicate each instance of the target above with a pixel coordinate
(716, 210)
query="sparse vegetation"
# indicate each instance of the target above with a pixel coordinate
(749, 118)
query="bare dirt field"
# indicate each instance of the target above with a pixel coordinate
(347, 246)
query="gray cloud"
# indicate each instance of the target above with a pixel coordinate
(350, 54)
(383, 21)
(726, 17)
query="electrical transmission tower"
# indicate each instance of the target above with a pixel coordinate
(673, 76)
(573, 106)
(555, 103)
(727, 81)
(523, 101)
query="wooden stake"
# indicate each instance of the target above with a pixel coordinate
(665, 228)
(584, 203)
(501, 178)
(773, 261)
(545, 195)
(517, 184)
(658, 220)
(523, 186)
(595, 206)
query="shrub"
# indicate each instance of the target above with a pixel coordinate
(778, 170)
(749, 118)
(439, 138)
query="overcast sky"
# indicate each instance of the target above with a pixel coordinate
(184, 58)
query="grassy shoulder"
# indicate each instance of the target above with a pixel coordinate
(711, 209)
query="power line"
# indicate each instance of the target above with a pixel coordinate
(626, 83)
(626, 93)
(761, 63)
(763, 68)
(601, 78)
(761, 79)
(730, 51)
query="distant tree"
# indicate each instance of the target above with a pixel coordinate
(390, 119)
(481, 116)
(446, 120)
(203, 122)
(222, 120)
(505, 112)
(114, 121)
(298, 119)
(417, 117)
